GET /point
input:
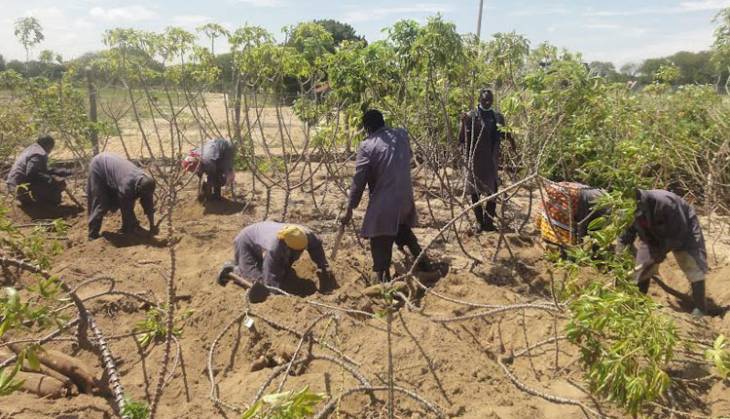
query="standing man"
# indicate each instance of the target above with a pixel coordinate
(30, 178)
(216, 162)
(665, 222)
(265, 252)
(384, 165)
(115, 183)
(480, 136)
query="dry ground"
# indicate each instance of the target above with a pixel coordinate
(451, 364)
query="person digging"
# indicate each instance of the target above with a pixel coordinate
(32, 181)
(215, 161)
(665, 222)
(384, 165)
(264, 254)
(116, 184)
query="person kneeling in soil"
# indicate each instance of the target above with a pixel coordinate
(665, 222)
(265, 252)
(384, 165)
(115, 183)
(30, 178)
(216, 162)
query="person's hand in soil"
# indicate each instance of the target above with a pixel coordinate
(327, 282)
(258, 293)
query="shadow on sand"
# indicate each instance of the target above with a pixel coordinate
(50, 213)
(121, 240)
(684, 302)
(223, 207)
(294, 284)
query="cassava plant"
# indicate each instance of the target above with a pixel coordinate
(626, 343)
(287, 405)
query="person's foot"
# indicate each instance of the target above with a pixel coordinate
(94, 235)
(217, 196)
(382, 277)
(697, 313)
(489, 227)
(222, 278)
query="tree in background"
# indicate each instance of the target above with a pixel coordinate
(340, 31)
(607, 70)
(29, 32)
(721, 46)
(693, 67)
(2, 63)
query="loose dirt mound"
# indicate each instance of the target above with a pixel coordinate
(452, 364)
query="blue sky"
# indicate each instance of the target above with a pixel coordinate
(620, 30)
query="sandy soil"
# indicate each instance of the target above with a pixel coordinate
(453, 365)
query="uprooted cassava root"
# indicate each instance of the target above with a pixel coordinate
(68, 366)
(86, 320)
(43, 385)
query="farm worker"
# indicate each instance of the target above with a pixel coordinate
(216, 162)
(264, 253)
(32, 180)
(588, 209)
(665, 222)
(569, 205)
(384, 165)
(481, 135)
(115, 183)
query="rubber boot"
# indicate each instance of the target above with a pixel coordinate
(217, 193)
(644, 286)
(478, 214)
(489, 216)
(698, 296)
(204, 192)
(383, 276)
(423, 265)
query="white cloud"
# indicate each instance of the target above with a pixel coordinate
(682, 7)
(191, 21)
(65, 32)
(694, 40)
(383, 12)
(262, 3)
(132, 13)
(704, 5)
(601, 26)
(541, 11)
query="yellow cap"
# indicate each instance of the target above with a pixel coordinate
(294, 237)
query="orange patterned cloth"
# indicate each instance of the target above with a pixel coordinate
(557, 221)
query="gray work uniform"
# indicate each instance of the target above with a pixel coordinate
(587, 211)
(216, 160)
(112, 186)
(260, 256)
(31, 169)
(481, 138)
(665, 222)
(384, 165)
